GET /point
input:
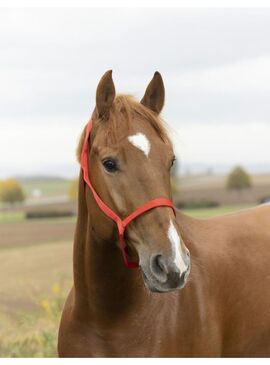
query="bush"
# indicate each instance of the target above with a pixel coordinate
(238, 179)
(11, 191)
(48, 214)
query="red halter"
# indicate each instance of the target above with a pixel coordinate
(121, 224)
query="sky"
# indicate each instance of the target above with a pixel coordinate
(215, 65)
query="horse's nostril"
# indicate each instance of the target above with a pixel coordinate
(159, 264)
(183, 275)
(158, 267)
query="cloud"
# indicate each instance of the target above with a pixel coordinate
(215, 64)
(39, 149)
(232, 93)
(236, 144)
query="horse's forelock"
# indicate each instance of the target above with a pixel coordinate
(126, 107)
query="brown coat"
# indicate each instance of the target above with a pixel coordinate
(224, 308)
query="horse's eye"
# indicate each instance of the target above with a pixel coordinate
(110, 165)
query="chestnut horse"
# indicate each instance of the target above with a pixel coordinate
(211, 302)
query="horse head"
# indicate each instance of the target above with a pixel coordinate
(130, 156)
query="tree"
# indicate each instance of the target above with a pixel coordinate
(11, 191)
(238, 179)
(73, 189)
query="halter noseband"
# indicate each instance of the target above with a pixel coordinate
(121, 224)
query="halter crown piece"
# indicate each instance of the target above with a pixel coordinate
(121, 224)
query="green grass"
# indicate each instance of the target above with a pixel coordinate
(215, 211)
(48, 187)
(11, 217)
(14, 217)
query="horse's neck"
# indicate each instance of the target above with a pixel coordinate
(103, 285)
(105, 290)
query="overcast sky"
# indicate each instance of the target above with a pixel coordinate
(215, 64)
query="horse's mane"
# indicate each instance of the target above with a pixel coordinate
(126, 107)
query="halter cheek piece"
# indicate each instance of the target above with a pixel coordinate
(121, 224)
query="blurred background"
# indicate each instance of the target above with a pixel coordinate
(216, 68)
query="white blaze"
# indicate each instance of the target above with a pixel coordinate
(140, 141)
(176, 247)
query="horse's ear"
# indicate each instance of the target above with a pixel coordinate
(155, 94)
(105, 95)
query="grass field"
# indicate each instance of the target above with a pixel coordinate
(215, 211)
(11, 217)
(49, 187)
(34, 281)
(19, 216)
(35, 276)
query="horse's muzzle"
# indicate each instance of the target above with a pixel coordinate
(161, 276)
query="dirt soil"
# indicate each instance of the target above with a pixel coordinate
(28, 233)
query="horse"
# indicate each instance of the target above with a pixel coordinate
(201, 288)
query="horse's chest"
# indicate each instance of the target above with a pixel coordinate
(123, 342)
(153, 341)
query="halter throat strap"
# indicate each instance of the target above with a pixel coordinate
(121, 224)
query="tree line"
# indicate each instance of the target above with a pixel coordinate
(11, 191)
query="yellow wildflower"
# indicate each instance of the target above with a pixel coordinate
(45, 304)
(56, 288)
